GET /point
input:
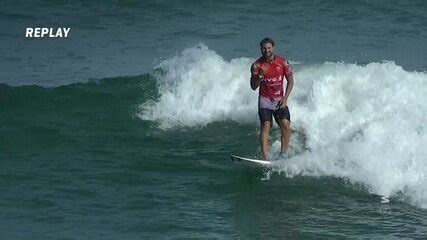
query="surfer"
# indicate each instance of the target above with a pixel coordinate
(268, 72)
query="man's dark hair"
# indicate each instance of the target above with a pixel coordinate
(266, 40)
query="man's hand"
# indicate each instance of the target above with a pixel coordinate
(258, 71)
(261, 74)
(257, 76)
(282, 103)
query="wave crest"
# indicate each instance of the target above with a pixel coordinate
(364, 123)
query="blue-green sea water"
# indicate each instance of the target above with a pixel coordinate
(124, 130)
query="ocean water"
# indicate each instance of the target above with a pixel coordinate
(124, 129)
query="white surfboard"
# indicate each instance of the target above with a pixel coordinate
(250, 160)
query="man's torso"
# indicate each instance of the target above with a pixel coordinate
(271, 87)
(272, 84)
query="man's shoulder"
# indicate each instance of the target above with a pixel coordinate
(280, 58)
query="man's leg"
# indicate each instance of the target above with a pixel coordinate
(285, 127)
(263, 137)
(283, 119)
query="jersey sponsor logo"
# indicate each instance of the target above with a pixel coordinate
(271, 79)
(274, 79)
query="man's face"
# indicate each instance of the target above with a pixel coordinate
(267, 50)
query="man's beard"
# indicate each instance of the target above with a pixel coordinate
(268, 54)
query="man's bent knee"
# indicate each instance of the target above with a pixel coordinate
(286, 125)
(266, 125)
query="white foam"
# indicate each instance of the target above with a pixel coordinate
(367, 124)
(363, 123)
(200, 87)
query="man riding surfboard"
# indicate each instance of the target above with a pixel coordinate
(268, 73)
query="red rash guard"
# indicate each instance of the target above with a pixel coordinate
(272, 84)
